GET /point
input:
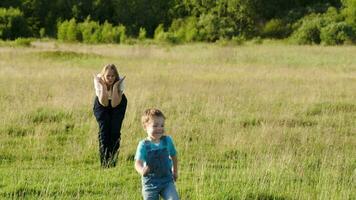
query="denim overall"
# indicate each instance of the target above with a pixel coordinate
(109, 120)
(160, 166)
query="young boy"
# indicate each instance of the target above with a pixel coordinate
(156, 159)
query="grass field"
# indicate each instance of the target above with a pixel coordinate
(264, 122)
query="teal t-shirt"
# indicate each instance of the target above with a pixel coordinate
(141, 153)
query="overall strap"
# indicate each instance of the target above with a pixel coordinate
(147, 145)
(164, 140)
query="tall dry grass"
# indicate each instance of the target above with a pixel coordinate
(268, 121)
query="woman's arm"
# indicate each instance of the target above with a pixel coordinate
(104, 97)
(101, 91)
(175, 167)
(116, 94)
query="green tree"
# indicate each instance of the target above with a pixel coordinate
(12, 24)
(349, 11)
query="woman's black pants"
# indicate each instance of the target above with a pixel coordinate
(109, 120)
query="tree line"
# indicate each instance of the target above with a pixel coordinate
(113, 21)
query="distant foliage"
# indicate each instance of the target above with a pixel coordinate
(12, 24)
(328, 28)
(42, 32)
(142, 34)
(208, 26)
(120, 33)
(337, 33)
(350, 11)
(185, 30)
(119, 21)
(72, 31)
(91, 32)
(276, 28)
(107, 33)
(62, 31)
(239, 40)
(159, 34)
(26, 42)
(309, 30)
(68, 31)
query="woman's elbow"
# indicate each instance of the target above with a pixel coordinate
(114, 105)
(103, 103)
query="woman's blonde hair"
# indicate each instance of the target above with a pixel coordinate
(110, 67)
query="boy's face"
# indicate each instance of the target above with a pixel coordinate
(155, 128)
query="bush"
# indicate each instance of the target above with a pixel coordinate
(62, 30)
(142, 34)
(26, 42)
(184, 30)
(337, 33)
(349, 11)
(257, 40)
(191, 31)
(276, 28)
(107, 33)
(177, 30)
(72, 33)
(159, 34)
(309, 30)
(68, 31)
(90, 31)
(120, 34)
(328, 28)
(238, 40)
(12, 24)
(172, 38)
(208, 27)
(226, 27)
(332, 15)
(42, 32)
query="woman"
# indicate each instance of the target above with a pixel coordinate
(109, 110)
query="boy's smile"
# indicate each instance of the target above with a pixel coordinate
(155, 128)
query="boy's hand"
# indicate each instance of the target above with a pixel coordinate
(175, 175)
(145, 170)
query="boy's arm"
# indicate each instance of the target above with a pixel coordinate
(143, 170)
(175, 167)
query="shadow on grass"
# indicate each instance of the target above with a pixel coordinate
(67, 55)
(6, 159)
(290, 123)
(263, 196)
(330, 108)
(48, 115)
(24, 192)
(17, 130)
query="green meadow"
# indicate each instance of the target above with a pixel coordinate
(265, 122)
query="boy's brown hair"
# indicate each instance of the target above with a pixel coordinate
(150, 114)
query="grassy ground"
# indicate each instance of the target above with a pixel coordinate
(267, 121)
